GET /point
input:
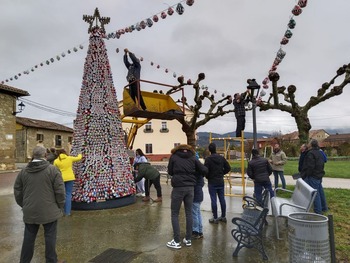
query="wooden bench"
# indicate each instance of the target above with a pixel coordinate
(249, 228)
(301, 200)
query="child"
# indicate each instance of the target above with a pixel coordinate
(197, 228)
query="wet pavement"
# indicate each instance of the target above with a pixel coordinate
(141, 227)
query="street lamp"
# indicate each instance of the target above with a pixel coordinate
(254, 88)
(21, 107)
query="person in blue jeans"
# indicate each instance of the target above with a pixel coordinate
(217, 167)
(197, 228)
(259, 170)
(277, 160)
(313, 172)
(184, 168)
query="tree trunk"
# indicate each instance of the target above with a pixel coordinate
(304, 127)
(191, 138)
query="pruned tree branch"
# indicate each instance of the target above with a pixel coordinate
(217, 107)
(300, 113)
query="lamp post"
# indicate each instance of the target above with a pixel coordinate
(21, 107)
(254, 88)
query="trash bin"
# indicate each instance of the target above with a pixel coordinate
(308, 238)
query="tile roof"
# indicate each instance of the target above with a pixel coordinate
(13, 91)
(338, 137)
(42, 124)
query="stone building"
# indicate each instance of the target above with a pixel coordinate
(31, 132)
(8, 111)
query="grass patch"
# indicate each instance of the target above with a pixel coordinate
(333, 169)
(339, 203)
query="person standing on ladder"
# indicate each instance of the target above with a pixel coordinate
(133, 77)
(239, 103)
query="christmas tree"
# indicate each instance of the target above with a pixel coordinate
(103, 178)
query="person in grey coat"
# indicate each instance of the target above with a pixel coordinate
(39, 190)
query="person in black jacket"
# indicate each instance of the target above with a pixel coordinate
(303, 152)
(184, 168)
(259, 170)
(133, 77)
(217, 168)
(239, 103)
(313, 172)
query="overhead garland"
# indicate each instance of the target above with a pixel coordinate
(46, 62)
(143, 24)
(296, 11)
(152, 20)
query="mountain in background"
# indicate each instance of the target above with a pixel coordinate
(203, 137)
(338, 131)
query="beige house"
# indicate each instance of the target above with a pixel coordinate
(320, 135)
(8, 111)
(158, 137)
(31, 132)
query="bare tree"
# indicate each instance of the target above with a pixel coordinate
(217, 107)
(298, 112)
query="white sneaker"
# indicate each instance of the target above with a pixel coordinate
(173, 244)
(143, 194)
(188, 243)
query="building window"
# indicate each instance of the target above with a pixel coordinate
(148, 128)
(149, 148)
(176, 144)
(40, 137)
(70, 139)
(164, 127)
(58, 141)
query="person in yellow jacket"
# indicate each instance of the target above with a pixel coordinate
(64, 163)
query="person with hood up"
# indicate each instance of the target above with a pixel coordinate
(152, 176)
(64, 163)
(184, 168)
(217, 167)
(259, 170)
(39, 190)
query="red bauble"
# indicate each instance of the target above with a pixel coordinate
(297, 10)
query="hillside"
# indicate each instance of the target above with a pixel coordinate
(203, 137)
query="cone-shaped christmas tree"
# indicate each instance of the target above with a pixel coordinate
(103, 178)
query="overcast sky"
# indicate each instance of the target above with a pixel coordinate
(230, 41)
